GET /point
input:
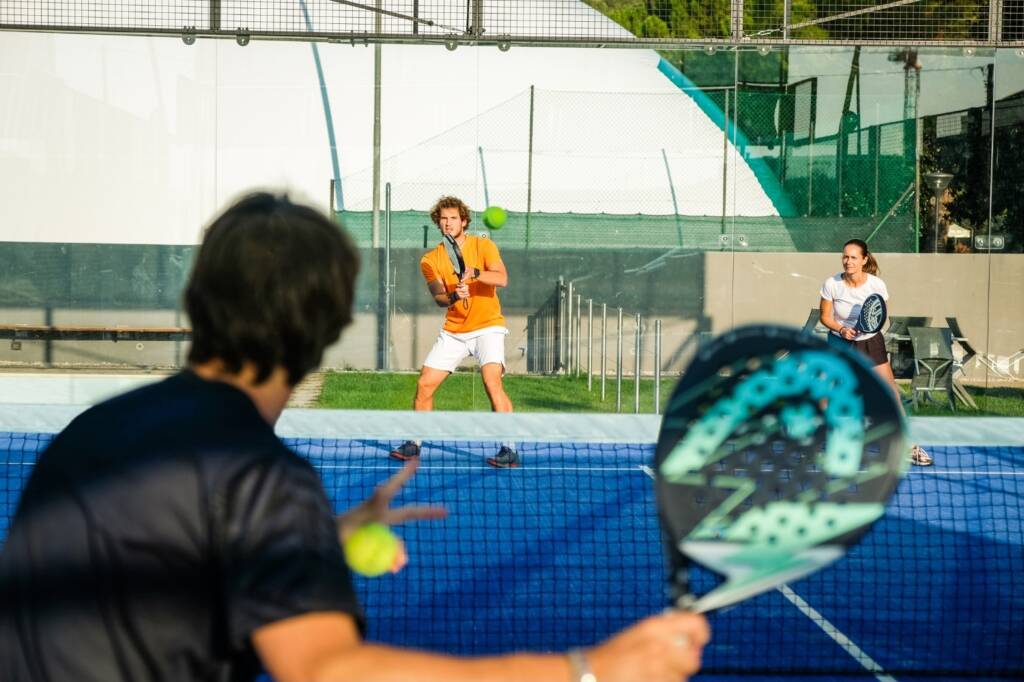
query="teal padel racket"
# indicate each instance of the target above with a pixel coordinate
(775, 455)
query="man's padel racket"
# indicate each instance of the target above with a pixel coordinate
(776, 453)
(872, 315)
(458, 263)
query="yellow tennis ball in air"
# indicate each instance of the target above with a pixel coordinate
(371, 549)
(495, 217)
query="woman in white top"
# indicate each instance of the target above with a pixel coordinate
(841, 298)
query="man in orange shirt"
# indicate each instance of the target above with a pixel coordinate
(473, 326)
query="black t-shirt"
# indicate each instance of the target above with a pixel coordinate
(156, 533)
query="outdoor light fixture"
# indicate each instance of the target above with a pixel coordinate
(764, 50)
(242, 37)
(188, 35)
(504, 44)
(451, 42)
(937, 181)
(709, 49)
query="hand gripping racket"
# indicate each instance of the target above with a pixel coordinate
(775, 455)
(458, 263)
(872, 316)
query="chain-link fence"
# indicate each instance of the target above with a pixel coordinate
(538, 22)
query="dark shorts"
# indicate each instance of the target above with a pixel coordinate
(873, 349)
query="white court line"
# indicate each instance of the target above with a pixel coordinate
(467, 467)
(965, 472)
(832, 631)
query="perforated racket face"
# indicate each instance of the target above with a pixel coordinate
(872, 314)
(776, 452)
(455, 255)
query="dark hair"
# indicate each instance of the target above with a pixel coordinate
(272, 284)
(450, 202)
(871, 267)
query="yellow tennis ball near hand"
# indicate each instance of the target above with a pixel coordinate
(371, 549)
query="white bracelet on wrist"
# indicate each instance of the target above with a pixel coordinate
(580, 667)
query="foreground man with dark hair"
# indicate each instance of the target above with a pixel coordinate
(168, 534)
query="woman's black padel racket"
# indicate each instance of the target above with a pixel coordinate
(776, 453)
(873, 314)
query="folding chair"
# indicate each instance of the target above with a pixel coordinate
(813, 324)
(970, 352)
(958, 365)
(897, 343)
(933, 363)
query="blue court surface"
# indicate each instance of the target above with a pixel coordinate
(565, 551)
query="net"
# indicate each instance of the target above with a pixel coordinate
(565, 550)
(502, 22)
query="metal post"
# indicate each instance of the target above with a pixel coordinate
(878, 154)
(215, 15)
(937, 182)
(995, 16)
(568, 331)
(810, 169)
(636, 367)
(618, 365)
(477, 27)
(529, 173)
(604, 347)
(590, 344)
(579, 332)
(375, 217)
(657, 367)
(559, 335)
(386, 336)
(786, 18)
(672, 191)
(483, 176)
(840, 154)
(737, 19)
(725, 160)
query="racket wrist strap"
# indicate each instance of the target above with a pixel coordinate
(452, 298)
(580, 667)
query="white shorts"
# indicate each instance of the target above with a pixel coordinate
(486, 345)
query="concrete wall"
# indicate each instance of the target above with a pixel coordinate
(984, 293)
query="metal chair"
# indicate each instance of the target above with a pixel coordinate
(958, 365)
(897, 343)
(813, 324)
(984, 358)
(933, 363)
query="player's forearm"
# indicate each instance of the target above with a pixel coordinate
(494, 278)
(826, 317)
(376, 663)
(444, 300)
(830, 323)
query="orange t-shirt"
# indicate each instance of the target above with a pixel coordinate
(482, 308)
